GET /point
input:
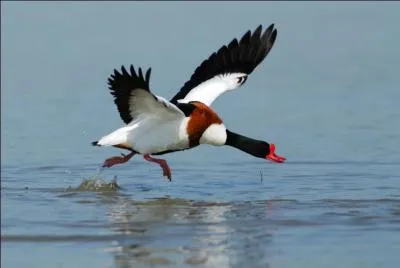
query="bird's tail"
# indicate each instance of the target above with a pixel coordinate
(117, 137)
(95, 143)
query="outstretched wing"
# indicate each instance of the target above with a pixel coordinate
(228, 68)
(133, 98)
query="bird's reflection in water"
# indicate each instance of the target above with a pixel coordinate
(167, 231)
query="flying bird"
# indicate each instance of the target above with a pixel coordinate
(156, 126)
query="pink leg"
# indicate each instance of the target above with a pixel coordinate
(117, 159)
(163, 164)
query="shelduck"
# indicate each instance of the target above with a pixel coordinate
(156, 126)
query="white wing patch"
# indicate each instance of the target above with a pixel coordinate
(209, 90)
(143, 104)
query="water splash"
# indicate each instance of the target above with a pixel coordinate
(96, 184)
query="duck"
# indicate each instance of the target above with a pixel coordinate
(156, 126)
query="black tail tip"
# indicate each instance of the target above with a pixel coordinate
(95, 143)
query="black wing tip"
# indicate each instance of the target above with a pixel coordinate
(95, 143)
(270, 27)
(123, 74)
(268, 32)
(122, 82)
(243, 55)
(273, 36)
(132, 70)
(255, 46)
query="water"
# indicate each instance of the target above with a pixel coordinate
(327, 96)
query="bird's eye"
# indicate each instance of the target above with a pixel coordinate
(241, 79)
